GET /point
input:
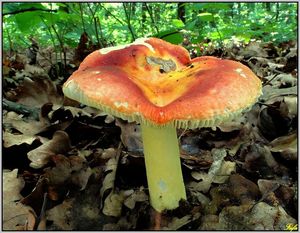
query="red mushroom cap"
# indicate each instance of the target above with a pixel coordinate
(155, 82)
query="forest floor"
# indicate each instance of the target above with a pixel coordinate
(67, 166)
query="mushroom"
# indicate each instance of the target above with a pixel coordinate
(158, 85)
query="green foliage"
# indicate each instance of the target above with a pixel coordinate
(172, 36)
(62, 24)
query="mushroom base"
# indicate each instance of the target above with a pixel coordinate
(164, 175)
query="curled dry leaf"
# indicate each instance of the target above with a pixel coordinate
(109, 207)
(286, 146)
(15, 214)
(130, 135)
(206, 179)
(59, 144)
(36, 93)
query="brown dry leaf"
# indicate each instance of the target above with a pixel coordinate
(5, 71)
(86, 153)
(235, 124)
(274, 66)
(204, 183)
(26, 127)
(261, 217)
(33, 70)
(254, 49)
(109, 207)
(109, 153)
(289, 106)
(286, 145)
(221, 196)
(237, 190)
(243, 189)
(61, 172)
(226, 169)
(276, 192)
(269, 92)
(10, 139)
(259, 160)
(123, 224)
(176, 223)
(75, 111)
(109, 119)
(15, 214)
(61, 215)
(108, 182)
(113, 204)
(266, 186)
(284, 80)
(73, 169)
(81, 177)
(206, 179)
(59, 144)
(135, 196)
(18, 61)
(259, 66)
(130, 135)
(79, 212)
(209, 222)
(31, 221)
(36, 92)
(199, 197)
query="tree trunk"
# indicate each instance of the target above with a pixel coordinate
(144, 16)
(277, 10)
(181, 11)
(268, 6)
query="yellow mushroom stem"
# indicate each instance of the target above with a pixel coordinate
(164, 175)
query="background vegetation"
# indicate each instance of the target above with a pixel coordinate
(67, 166)
(62, 24)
